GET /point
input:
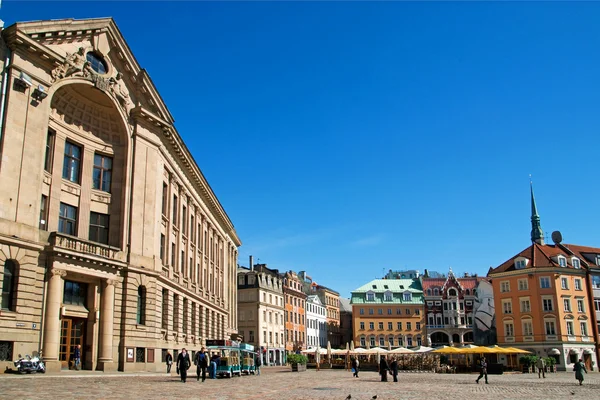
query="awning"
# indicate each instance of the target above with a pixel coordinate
(554, 352)
(588, 351)
(573, 351)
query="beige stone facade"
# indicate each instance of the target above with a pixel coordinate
(110, 236)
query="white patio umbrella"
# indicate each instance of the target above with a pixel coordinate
(401, 350)
(318, 356)
(352, 346)
(329, 350)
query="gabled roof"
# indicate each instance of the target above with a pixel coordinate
(393, 285)
(540, 256)
(345, 305)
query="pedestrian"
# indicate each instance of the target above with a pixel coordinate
(213, 366)
(257, 364)
(183, 364)
(579, 369)
(169, 361)
(394, 368)
(355, 364)
(541, 366)
(483, 372)
(383, 369)
(201, 363)
(77, 357)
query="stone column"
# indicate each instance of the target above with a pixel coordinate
(105, 361)
(52, 319)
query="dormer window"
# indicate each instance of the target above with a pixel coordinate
(521, 262)
(385, 287)
(576, 263)
(388, 296)
(428, 292)
(436, 292)
(374, 286)
(370, 296)
(407, 296)
(562, 261)
(598, 260)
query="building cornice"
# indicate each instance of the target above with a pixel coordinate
(538, 271)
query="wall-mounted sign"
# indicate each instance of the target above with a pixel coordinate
(20, 324)
(129, 355)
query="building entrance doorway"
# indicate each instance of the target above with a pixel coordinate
(587, 360)
(71, 334)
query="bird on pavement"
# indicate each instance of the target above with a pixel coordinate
(374, 397)
(349, 397)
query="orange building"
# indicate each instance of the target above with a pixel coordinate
(388, 313)
(295, 303)
(542, 302)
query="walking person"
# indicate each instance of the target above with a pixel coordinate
(394, 368)
(541, 366)
(579, 369)
(355, 364)
(201, 363)
(183, 364)
(383, 369)
(257, 364)
(213, 366)
(483, 366)
(77, 357)
(169, 361)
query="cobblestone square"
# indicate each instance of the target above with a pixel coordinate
(280, 383)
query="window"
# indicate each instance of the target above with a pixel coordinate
(576, 263)
(381, 341)
(372, 341)
(363, 342)
(399, 326)
(361, 311)
(67, 219)
(523, 284)
(49, 156)
(371, 311)
(9, 286)
(527, 328)
(580, 307)
(509, 329)
(99, 227)
(583, 327)
(165, 309)
(520, 264)
(562, 261)
(525, 305)
(577, 284)
(407, 296)
(504, 286)
(570, 330)
(388, 296)
(6, 351)
(102, 172)
(44, 213)
(96, 63)
(545, 282)
(597, 304)
(418, 326)
(75, 293)
(371, 325)
(390, 326)
(381, 326)
(596, 279)
(389, 311)
(567, 305)
(362, 326)
(550, 328)
(141, 305)
(184, 221)
(163, 243)
(506, 306)
(564, 283)
(174, 221)
(165, 193)
(408, 326)
(398, 311)
(176, 312)
(173, 262)
(547, 305)
(409, 341)
(72, 162)
(380, 311)
(370, 296)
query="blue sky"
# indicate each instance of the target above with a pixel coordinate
(350, 138)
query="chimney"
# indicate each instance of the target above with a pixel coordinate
(251, 263)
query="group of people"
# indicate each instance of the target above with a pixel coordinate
(201, 361)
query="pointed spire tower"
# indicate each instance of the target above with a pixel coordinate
(537, 234)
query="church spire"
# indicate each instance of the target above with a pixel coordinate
(537, 234)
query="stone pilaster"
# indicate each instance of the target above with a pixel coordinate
(105, 361)
(52, 320)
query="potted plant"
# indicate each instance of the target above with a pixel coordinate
(528, 363)
(550, 361)
(298, 362)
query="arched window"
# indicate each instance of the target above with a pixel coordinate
(452, 292)
(96, 62)
(141, 305)
(436, 292)
(428, 292)
(9, 286)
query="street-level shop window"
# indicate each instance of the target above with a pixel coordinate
(6, 351)
(140, 354)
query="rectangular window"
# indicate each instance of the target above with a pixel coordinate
(67, 219)
(399, 326)
(362, 326)
(371, 325)
(398, 311)
(75, 293)
(102, 174)
(380, 311)
(192, 228)
(165, 309)
(99, 227)
(389, 311)
(381, 326)
(363, 342)
(72, 162)
(371, 311)
(506, 306)
(562, 261)
(165, 193)
(576, 263)
(173, 256)
(523, 284)
(409, 326)
(184, 220)
(163, 243)
(175, 211)
(564, 283)
(49, 157)
(390, 326)
(580, 307)
(597, 304)
(504, 286)
(509, 329)
(44, 213)
(527, 328)
(409, 341)
(550, 328)
(6, 351)
(418, 326)
(525, 306)
(182, 264)
(567, 305)
(583, 327)
(577, 284)
(547, 305)
(570, 330)
(596, 278)
(545, 282)
(361, 311)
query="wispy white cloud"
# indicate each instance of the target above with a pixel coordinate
(368, 241)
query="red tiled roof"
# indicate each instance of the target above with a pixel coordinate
(433, 282)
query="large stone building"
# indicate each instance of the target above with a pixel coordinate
(388, 312)
(449, 309)
(543, 299)
(295, 306)
(110, 236)
(261, 311)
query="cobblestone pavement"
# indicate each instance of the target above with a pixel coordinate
(280, 383)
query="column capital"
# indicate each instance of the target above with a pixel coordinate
(111, 282)
(60, 272)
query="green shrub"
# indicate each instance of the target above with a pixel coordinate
(528, 361)
(297, 359)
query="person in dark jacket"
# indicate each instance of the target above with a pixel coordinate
(169, 361)
(394, 369)
(483, 372)
(579, 369)
(183, 364)
(77, 357)
(201, 362)
(383, 369)
(355, 364)
(257, 364)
